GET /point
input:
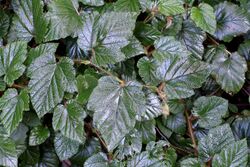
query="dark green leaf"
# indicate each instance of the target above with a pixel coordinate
(146, 33)
(176, 123)
(192, 37)
(64, 19)
(8, 155)
(181, 74)
(236, 154)
(48, 82)
(4, 23)
(244, 50)
(190, 162)
(127, 6)
(92, 2)
(170, 45)
(12, 106)
(12, 57)
(210, 111)
(115, 108)
(65, 147)
(105, 35)
(29, 21)
(147, 130)
(19, 136)
(38, 135)
(241, 129)
(214, 142)
(231, 20)
(229, 70)
(85, 85)
(69, 121)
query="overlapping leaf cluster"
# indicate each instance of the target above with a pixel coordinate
(124, 83)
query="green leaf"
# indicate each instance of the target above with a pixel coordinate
(4, 23)
(38, 135)
(64, 19)
(147, 130)
(91, 146)
(214, 142)
(190, 162)
(8, 155)
(192, 37)
(204, 17)
(181, 74)
(241, 129)
(12, 57)
(229, 71)
(48, 158)
(30, 156)
(144, 159)
(170, 7)
(134, 48)
(41, 50)
(12, 106)
(210, 111)
(19, 136)
(236, 154)
(127, 6)
(105, 35)
(153, 106)
(69, 121)
(147, 69)
(85, 84)
(115, 108)
(48, 82)
(146, 33)
(170, 45)
(231, 20)
(29, 21)
(97, 160)
(130, 144)
(176, 123)
(244, 50)
(92, 2)
(65, 147)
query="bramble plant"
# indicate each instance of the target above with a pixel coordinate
(124, 83)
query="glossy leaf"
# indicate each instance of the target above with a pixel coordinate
(115, 107)
(48, 82)
(217, 138)
(8, 155)
(4, 23)
(192, 37)
(210, 111)
(170, 7)
(65, 147)
(69, 121)
(231, 20)
(12, 57)
(12, 105)
(181, 74)
(105, 35)
(127, 6)
(229, 71)
(92, 2)
(204, 17)
(38, 135)
(64, 19)
(170, 45)
(236, 154)
(29, 21)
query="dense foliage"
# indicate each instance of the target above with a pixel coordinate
(137, 83)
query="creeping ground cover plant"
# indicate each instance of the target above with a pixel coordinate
(124, 83)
